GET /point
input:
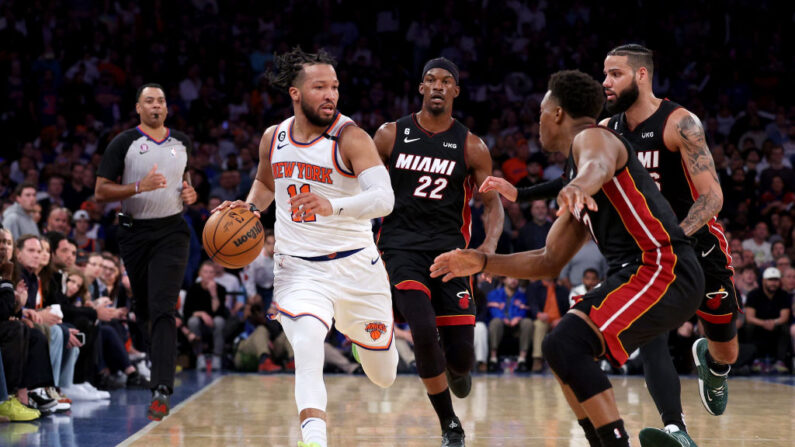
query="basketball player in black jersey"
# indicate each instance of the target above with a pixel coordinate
(435, 163)
(670, 144)
(654, 282)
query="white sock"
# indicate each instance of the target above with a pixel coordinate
(314, 430)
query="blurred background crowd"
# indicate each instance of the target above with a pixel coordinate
(71, 68)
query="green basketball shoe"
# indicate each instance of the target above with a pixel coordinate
(713, 388)
(654, 437)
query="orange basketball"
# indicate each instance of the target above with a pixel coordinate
(233, 237)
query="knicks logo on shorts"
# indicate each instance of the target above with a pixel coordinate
(714, 298)
(463, 299)
(375, 329)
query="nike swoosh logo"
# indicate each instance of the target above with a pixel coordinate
(374, 261)
(279, 146)
(704, 254)
(406, 140)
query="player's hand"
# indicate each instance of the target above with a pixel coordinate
(152, 180)
(500, 185)
(457, 263)
(236, 204)
(188, 194)
(307, 204)
(574, 199)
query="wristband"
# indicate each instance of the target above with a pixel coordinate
(485, 262)
(252, 207)
(138, 187)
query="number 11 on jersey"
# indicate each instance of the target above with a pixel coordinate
(292, 191)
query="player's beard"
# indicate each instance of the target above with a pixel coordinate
(313, 117)
(624, 100)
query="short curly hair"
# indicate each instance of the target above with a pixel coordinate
(577, 93)
(292, 62)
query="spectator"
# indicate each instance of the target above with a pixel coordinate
(533, 235)
(262, 346)
(509, 310)
(81, 234)
(588, 258)
(550, 301)
(58, 220)
(777, 167)
(746, 281)
(767, 314)
(258, 276)
(17, 218)
(759, 245)
(777, 198)
(590, 279)
(206, 313)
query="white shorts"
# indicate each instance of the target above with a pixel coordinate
(353, 291)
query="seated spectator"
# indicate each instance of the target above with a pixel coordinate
(533, 234)
(80, 233)
(206, 313)
(767, 313)
(777, 198)
(758, 244)
(508, 308)
(262, 346)
(745, 281)
(17, 218)
(590, 279)
(59, 219)
(550, 301)
(589, 257)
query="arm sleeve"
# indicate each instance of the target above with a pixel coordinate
(546, 190)
(375, 200)
(112, 165)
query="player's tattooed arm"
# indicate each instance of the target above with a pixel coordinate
(701, 167)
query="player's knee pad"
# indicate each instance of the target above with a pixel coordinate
(459, 348)
(570, 349)
(380, 366)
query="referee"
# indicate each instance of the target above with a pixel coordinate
(145, 167)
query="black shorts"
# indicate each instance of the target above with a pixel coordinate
(452, 301)
(640, 301)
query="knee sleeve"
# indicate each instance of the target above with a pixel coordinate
(570, 349)
(306, 335)
(459, 348)
(380, 366)
(419, 314)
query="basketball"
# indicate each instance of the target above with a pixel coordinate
(233, 237)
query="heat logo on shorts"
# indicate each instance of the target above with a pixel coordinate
(375, 329)
(714, 298)
(463, 299)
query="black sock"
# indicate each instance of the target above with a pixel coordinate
(717, 368)
(443, 405)
(613, 434)
(590, 432)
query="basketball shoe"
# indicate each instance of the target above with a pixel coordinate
(713, 388)
(453, 433)
(670, 436)
(159, 407)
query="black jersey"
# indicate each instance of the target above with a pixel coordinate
(670, 174)
(432, 188)
(634, 223)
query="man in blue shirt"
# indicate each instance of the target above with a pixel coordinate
(508, 309)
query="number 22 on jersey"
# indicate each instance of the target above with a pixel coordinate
(292, 191)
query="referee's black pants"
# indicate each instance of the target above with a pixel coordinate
(155, 253)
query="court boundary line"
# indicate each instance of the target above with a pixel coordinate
(148, 427)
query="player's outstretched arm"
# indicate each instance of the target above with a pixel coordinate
(564, 240)
(684, 131)
(597, 154)
(376, 199)
(262, 189)
(479, 160)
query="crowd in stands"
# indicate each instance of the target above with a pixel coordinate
(70, 70)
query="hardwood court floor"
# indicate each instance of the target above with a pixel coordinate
(500, 411)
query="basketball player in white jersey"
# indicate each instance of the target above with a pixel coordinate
(328, 182)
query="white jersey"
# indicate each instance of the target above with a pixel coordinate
(315, 167)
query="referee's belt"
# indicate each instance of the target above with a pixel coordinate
(329, 257)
